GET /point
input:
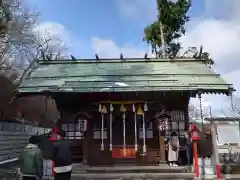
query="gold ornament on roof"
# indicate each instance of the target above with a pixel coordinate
(122, 108)
(139, 110)
(104, 110)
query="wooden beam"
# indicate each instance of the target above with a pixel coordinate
(162, 146)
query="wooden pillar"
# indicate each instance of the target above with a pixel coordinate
(162, 146)
(215, 150)
(86, 142)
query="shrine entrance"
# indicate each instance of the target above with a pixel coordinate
(123, 137)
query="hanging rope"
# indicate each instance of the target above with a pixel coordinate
(231, 101)
(203, 130)
(201, 108)
(111, 118)
(135, 127)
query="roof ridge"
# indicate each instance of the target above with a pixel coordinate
(117, 60)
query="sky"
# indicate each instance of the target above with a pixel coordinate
(111, 27)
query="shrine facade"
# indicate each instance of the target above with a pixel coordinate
(122, 110)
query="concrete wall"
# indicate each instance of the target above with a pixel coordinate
(14, 137)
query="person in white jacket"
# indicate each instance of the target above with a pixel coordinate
(173, 149)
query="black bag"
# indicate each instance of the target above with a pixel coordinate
(174, 148)
(46, 146)
(174, 145)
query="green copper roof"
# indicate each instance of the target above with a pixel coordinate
(123, 75)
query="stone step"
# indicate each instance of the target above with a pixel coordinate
(126, 161)
(132, 176)
(130, 169)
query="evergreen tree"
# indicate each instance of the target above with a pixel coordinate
(173, 17)
(169, 27)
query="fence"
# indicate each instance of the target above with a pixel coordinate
(14, 137)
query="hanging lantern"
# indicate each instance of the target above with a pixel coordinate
(139, 111)
(82, 125)
(163, 124)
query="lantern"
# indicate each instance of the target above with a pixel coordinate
(162, 120)
(82, 125)
(195, 133)
(163, 124)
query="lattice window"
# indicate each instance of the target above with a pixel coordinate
(148, 130)
(72, 131)
(97, 130)
(176, 124)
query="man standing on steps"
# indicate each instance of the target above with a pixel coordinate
(62, 158)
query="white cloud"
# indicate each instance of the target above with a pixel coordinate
(58, 34)
(60, 38)
(52, 29)
(106, 48)
(220, 38)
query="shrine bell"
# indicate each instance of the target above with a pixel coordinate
(194, 132)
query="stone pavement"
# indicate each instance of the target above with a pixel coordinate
(8, 172)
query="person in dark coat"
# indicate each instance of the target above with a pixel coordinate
(189, 148)
(205, 146)
(62, 158)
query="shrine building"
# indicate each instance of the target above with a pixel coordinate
(122, 110)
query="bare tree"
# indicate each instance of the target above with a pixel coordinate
(21, 45)
(193, 112)
(236, 104)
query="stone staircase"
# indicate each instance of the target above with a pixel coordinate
(126, 172)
